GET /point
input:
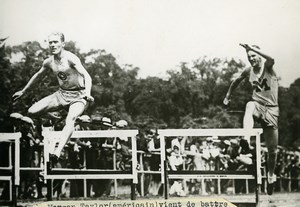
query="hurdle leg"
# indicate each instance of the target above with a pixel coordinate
(142, 175)
(115, 168)
(247, 186)
(257, 195)
(258, 176)
(219, 186)
(233, 186)
(49, 189)
(84, 180)
(257, 183)
(49, 184)
(12, 181)
(203, 186)
(15, 171)
(257, 189)
(13, 188)
(166, 184)
(133, 187)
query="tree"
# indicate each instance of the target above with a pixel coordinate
(191, 96)
(289, 119)
(5, 88)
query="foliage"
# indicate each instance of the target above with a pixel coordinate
(190, 97)
(289, 122)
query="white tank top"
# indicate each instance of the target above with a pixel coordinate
(68, 77)
(265, 88)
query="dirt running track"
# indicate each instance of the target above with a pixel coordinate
(276, 200)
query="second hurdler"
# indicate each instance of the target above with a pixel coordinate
(264, 104)
(74, 88)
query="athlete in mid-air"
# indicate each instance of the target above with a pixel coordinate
(74, 88)
(264, 103)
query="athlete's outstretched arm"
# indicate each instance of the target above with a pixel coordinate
(76, 63)
(234, 84)
(33, 80)
(269, 60)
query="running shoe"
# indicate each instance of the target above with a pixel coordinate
(270, 184)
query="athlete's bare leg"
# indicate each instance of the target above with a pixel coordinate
(271, 139)
(41, 108)
(248, 121)
(47, 104)
(75, 110)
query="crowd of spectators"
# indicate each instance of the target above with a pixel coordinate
(183, 153)
(235, 154)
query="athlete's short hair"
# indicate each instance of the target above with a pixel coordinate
(60, 34)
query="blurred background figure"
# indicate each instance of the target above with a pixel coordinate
(104, 159)
(154, 148)
(30, 185)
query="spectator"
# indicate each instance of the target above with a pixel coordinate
(223, 157)
(196, 152)
(294, 174)
(76, 155)
(154, 149)
(93, 153)
(176, 163)
(123, 153)
(105, 160)
(233, 153)
(210, 154)
(122, 146)
(176, 153)
(28, 179)
(245, 153)
(142, 145)
(176, 159)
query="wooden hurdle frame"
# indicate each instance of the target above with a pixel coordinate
(163, 133)
(12, 172)
(54, 173)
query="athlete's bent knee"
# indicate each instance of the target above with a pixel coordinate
(32, 111)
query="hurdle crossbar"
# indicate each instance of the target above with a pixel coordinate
(95, 133)
(209, 175)
(209, 132)
(66, 173)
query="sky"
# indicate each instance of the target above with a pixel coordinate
(156, 35)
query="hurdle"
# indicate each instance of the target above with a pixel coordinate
(68, 173)
(11, 173)
(164, 133)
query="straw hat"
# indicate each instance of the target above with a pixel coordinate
(106, 121)
(27, 120)
(84, 118)
(16, 115)
(121, 123)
